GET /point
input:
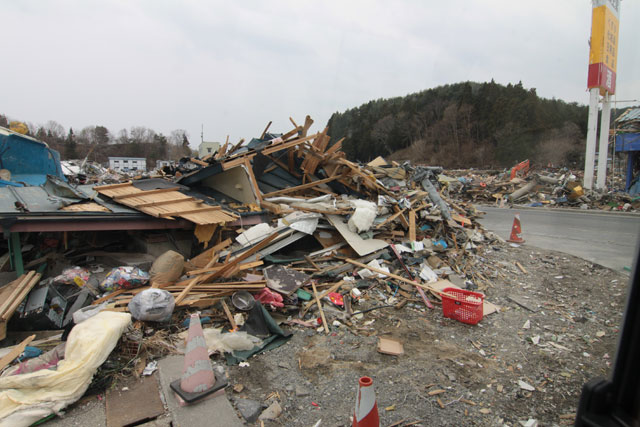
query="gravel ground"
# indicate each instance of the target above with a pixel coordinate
(452, 373)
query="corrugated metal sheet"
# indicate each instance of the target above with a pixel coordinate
(631, 115)
(38, 200)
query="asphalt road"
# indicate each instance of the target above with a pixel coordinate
(608, 239)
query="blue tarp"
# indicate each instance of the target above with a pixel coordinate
(28, 160)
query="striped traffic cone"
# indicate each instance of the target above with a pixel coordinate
(198, 379)
(366, 412)
(516, 231)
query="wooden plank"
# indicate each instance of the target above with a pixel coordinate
(300, 187)
(168, 202)
(15, 352)
(226, 268)
(6, 315)
(204, 257)
(323, 294)
(264, 132)
(324, 319)
(232, 321)
(412, 225)
(144, 193)
(403, 219)
(190, 211)
(10, 291)
(108, 297)
(273, 148)
(244, 266)
(253, 180)
(391, 218)
(112, 186)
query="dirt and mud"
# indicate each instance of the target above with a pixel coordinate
(517, 364)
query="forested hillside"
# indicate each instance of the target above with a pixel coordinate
(465, 125)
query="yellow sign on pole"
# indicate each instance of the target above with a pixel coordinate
(603, 52)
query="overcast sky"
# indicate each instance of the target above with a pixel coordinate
(233, 66)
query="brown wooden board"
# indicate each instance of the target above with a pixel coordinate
(131, 407)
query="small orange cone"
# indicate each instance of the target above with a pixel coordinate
(198, 379)
(366, 412)
(516, 231)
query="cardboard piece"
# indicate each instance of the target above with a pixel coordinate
(390, 346)
(361, 246)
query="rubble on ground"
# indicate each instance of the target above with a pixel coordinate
(284, 236)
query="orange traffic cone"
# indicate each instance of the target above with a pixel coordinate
(516, 231)
(198, 379)
(366, 412)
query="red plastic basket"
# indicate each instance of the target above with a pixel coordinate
(464, 306)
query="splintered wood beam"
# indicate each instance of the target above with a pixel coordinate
(168, 202)
(145, 193)
(300, 187)
(190, 211)
(272, 148)
(335, 147)
(229, 265)
(412, 225)
(308, 121)
(293, 122)
(264, 132)
(254, 181)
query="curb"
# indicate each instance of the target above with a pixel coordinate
(565, 210)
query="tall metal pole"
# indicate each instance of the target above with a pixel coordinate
(592, 129)
(603, 149)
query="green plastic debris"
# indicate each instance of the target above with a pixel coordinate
(303, 295)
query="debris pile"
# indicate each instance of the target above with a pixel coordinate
(283, 230)
(544, 188)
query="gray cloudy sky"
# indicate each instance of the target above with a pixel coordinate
(233, 66)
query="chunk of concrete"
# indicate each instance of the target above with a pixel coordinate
(272, 412)
(249, 409)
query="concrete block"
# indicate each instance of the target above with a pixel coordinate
(213, 412)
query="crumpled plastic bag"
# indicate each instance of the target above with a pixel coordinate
(73, 275)
(363, 217)
(89, 311)
(152, 305)
(124, 278)
(218, 342)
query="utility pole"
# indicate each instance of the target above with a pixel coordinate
(603, 61)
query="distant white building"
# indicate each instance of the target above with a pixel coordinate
(162, 163)
(128, 164)
(207, 148)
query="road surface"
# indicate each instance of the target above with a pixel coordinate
(607, 239)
